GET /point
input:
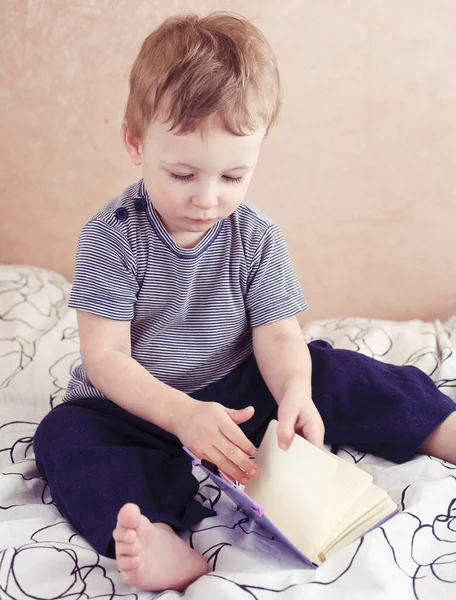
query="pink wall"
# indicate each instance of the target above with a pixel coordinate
(360, 172)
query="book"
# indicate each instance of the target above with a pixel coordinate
(315, 502)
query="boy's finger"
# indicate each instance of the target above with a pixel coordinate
(314, 438)
(314, 434)
(242, 415)
(228, 467)
(286, 427)
(238, 437)
(235, 455)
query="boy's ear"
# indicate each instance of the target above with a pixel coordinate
(132, 145)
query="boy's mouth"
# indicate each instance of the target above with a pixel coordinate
(202, 221)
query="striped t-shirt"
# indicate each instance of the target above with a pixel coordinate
(191, 310)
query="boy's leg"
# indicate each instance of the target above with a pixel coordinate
(442, 441)
(383, 409)
(96, 458)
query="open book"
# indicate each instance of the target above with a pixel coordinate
(312, 500)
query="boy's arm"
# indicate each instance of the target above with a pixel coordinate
(285, 364)
(106, 350)
(208, 429)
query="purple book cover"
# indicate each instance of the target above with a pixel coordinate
(252, 510)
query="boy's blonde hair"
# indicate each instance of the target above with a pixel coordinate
(193, 69)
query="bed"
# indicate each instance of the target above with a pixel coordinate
(42, 556)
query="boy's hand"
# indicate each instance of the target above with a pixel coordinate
(299, 415)
(210, 431)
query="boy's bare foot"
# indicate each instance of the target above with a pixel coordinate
(151, 556)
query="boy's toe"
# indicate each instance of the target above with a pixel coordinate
(129, 516)
(123, 549)
(128, 563)
(128, 536)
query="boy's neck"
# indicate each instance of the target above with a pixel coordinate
(188, 240)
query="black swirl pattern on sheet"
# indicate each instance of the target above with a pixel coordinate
(43, 557)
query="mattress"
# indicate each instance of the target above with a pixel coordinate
(41, 555)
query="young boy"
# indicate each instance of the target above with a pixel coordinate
(187, 303)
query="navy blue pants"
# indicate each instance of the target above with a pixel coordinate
(95, 456)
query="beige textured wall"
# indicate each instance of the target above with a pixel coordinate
(360, 172)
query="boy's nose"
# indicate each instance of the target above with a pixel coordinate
(205, 201)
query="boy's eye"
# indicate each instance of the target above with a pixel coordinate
(181, 177)
(232, 179)
(188, 177)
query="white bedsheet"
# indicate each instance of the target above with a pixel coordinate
(41, 556)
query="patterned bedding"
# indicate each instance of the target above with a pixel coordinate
(43, 557)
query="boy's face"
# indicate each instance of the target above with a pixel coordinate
(192, 180)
